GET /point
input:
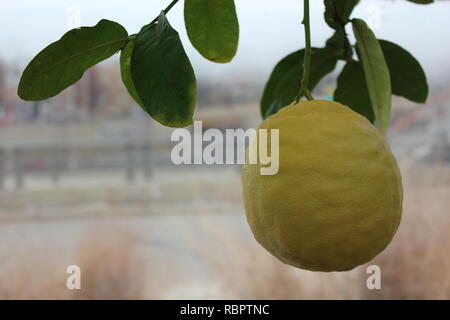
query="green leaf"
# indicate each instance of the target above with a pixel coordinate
(272, 101)
(213, 28)
(407, 76)
(125, 71)
(63, 62)
(337, 41)
(284, 82)
(341, 44)
(352, 90)
(163, 76)
(337, 12)
(376, 73)
(422, 1)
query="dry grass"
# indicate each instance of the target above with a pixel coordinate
(415, 266)
(111, 268)
(251, 273)
(246, 272)
(415, 269)
(33, 275)
(417, 263)
(110, 265)
(242, 269)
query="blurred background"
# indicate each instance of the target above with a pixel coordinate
(86, 177)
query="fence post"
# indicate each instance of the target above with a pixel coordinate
(19, 168)
(129, 161)
(55, 163)
(146, 160)
(2, 169)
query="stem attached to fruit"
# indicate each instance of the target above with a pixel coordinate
(304, 91)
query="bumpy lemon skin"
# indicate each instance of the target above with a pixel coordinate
(336, 200)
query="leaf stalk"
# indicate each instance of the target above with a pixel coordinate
(166, 10)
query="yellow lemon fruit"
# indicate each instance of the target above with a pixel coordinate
(336, 200)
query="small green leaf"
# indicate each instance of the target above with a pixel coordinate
(407, 76)
(376, 73)
(213, 28)
(163, 76)
(337, 12)
(284, 82)
(125, 71)
(63, 62)
(352, 90)
(422, 1)
(272, 101)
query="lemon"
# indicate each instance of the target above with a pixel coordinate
(336, 200)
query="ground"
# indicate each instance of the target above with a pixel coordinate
(159, 238)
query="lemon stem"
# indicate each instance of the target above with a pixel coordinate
(307, 59)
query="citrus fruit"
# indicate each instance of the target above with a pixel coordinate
(336, 200)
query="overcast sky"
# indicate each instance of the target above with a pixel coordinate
(270, 29)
